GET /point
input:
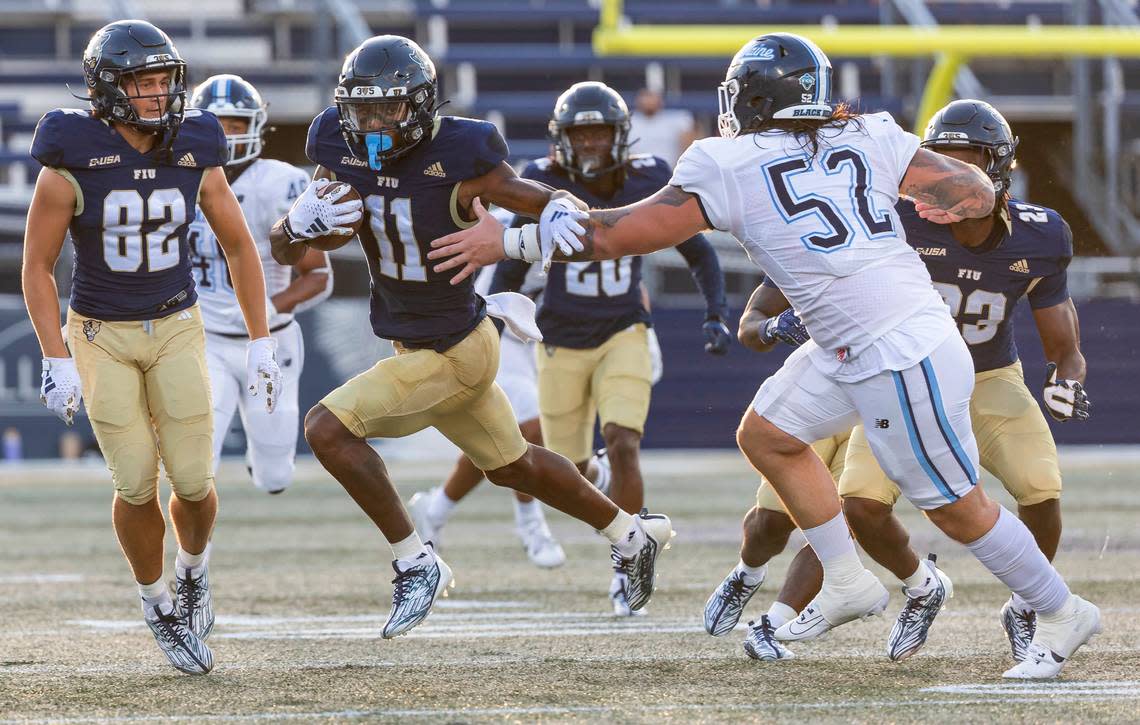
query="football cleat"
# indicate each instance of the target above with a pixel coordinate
(418, 508)
(1019, 628)
(185, 650)
(1056, 639)
(917, 615)
(761, 643)
(540, 545)
(415, 590)
(726, 604)
(620, 599)
(641, 567)
(193, 601)
(836, 605)
(605, 474)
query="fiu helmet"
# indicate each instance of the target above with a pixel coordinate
(779, 75)
(230, 96)
(386, 98)
(589, 104)
(113, 58)
(975, 124)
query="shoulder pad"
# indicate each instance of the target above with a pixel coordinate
(58, 138)
(479, 147)
(324, 144)
(201, 142)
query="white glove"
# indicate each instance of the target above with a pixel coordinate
(1064, 399)
(60, 390)
(261, 370)
(560, 224)
(656, 362)
(313, 216)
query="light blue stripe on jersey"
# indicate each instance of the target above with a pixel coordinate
(944, 424)
(916, 445)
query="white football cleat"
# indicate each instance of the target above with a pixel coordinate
(761, 644)
(602, 461)
(726, 604)
(193, 600)
(1019, 628)
(416, 589)
(418, 508)
(834, 606)
(641, 568)
(184, 649)
(541, 547)
(1057, 637)
(619, 597)
(917, 616)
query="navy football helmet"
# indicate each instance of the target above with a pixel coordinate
(589, 104)
(774, 76)
(113, 58)
(231, 96)
(386, 98)
(975, 124)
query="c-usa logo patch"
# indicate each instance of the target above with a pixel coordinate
(91, 329)
(807, 81)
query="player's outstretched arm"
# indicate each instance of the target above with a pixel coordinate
(53, 204)
(946, 190)
(665, 219)
(223, 212)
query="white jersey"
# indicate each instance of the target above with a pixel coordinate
(265, 191)
(825, 231)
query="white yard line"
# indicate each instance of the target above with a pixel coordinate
(39, 578)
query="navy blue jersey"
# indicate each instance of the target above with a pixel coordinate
(132, 211)
(586, 303)
(982, 284)
(407, 204)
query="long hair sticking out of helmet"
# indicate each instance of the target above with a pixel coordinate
(386, 99)
(231, 96)
(780, 81)
(589, 104)
(116, 55)
(970, 123)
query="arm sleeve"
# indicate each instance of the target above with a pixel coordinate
(1054, 288)
(705, 268)
(509, 276)
(897, 145)
(698, 174)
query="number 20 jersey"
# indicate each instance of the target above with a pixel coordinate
(824, 229)
(981, 285)
(407, 204)
(132, 211)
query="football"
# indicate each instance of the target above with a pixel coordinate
(330, 242)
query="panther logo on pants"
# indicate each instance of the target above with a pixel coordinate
(91, 329)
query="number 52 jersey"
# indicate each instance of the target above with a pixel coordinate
(132, 211)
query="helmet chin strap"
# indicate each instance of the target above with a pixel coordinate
(376, 143)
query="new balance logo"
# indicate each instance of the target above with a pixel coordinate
(1020, 266)
(435, 169)
(187, 160)
(882, 423)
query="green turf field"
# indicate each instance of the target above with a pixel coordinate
(301, 587)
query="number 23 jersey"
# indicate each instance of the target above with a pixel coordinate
(981, 285)
(407, 204)
(132, 211)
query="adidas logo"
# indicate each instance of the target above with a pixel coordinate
(187, 160)
(435, 169)
(318, 227)
(1020, 266)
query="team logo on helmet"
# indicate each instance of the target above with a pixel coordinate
(807, 80)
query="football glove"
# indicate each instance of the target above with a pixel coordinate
(261, 371)
(313, 216)
(1064, 399)
(785, 327)
(717, 336)
(60, 389)
(656, 362)
(560, 223)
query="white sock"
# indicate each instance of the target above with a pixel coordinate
(921, 581)
(407, 550)
(528, 511)
(439, 506)
(624, 533)
(780, 613)
(835, 549)
(1009, 551)
(155, 594)
(752, 574)
(194, 562)
(1019, 604)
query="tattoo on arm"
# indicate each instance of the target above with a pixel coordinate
(947, 184)
(609, 218)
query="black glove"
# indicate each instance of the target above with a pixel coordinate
(717, 336)
(785, 327)
(1064, 399)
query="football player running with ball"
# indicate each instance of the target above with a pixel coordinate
(124, 178)
(418, 174)
(594, 362)
(809, 190)
(266, 188)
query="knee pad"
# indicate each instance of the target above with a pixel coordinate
(134, 470)
(189, 465)
(274, 473)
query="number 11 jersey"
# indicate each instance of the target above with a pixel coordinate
(407, 204)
